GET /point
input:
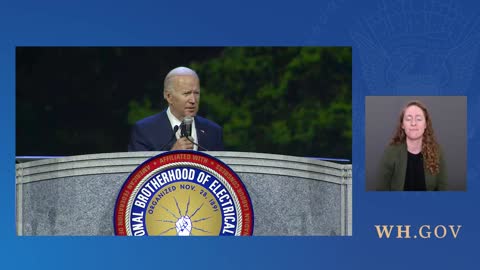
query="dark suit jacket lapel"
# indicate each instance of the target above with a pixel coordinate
(201, 133)
(166, 131)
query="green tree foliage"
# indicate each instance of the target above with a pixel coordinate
(294, 101)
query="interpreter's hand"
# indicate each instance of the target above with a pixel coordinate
(183, 144)
(183, 226)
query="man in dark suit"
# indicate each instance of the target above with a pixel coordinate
(156, 132)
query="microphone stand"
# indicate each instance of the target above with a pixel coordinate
(199, 146)
(187, 134)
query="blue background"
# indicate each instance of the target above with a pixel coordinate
(399, 48)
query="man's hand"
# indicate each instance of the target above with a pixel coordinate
(182, 144)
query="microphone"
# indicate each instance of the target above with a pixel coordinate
(186, 131)
(175, 129)
(186, 126)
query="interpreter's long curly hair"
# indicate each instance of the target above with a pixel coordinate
(430, 147)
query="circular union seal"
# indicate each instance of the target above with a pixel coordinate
(183, 193)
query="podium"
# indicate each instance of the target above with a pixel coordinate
(291, 196)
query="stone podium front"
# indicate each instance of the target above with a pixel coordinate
(290, 195)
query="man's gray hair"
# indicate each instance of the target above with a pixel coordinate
(168, 84)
